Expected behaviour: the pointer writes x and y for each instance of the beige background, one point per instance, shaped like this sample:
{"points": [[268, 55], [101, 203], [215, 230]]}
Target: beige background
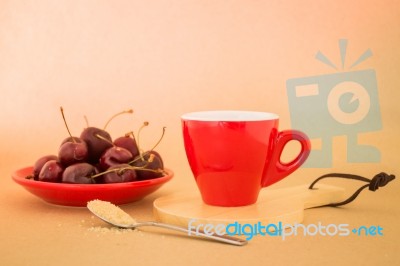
{"points": [[165, 58]]}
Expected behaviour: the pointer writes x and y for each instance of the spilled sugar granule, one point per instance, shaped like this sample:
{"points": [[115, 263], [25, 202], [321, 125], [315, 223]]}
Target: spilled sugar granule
{"points": [[92, 226], [104, 230]]}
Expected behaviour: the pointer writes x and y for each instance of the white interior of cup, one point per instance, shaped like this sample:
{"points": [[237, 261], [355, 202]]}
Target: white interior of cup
{"points": [[229, 116]]}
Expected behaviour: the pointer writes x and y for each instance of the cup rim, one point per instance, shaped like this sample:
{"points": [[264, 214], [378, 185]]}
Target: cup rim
{"points": [[229, 116]]}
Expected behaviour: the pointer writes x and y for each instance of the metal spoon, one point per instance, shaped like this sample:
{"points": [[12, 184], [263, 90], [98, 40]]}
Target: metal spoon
{"points": [[131, 223]]}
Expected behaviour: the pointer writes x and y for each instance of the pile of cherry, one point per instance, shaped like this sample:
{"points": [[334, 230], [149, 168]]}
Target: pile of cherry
{"points": [[94, 158]]}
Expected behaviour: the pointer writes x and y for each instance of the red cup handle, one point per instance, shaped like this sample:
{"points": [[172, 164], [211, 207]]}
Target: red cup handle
{"points": [[275, 170]]}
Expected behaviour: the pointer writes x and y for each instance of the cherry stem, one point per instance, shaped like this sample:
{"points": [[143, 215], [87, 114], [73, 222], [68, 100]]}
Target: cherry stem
{"points": [[151, 158], [145, 124], [103, 138], [138, 158], [130, 133], [65, 122], [130, 111], [158, 142], [108, 171], [86, 120], [126, 168]]}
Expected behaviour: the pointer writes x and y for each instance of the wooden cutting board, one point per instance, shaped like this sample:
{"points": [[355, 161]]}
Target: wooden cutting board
{"points": [[284, 205]]}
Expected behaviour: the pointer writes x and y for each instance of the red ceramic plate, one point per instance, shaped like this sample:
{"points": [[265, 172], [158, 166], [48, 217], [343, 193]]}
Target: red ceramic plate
{"points": [[79, 194]]}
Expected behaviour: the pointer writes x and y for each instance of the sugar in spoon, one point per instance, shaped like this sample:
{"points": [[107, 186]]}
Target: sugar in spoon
{"points": [[115, 216]]}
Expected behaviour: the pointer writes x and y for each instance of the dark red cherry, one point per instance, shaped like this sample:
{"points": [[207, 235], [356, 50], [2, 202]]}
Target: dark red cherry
{"points": [[114, 156], [39, 164], [79, 173], [97, 140], [122, 173], [51, 172], [73, 150], [128, 142], [151, 163]]}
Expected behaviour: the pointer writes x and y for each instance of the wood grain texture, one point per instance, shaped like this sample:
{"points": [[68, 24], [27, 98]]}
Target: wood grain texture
{"points": [[284, 205]]}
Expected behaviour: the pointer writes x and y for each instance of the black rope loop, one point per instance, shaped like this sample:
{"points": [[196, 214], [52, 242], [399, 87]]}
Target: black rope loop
{"points": [[379, 180]]}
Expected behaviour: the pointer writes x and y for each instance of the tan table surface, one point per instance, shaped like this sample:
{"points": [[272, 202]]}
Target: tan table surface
{"points": [[166, 58], [37, 233]]}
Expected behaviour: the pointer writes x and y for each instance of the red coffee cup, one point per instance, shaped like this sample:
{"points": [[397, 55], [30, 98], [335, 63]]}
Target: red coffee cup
{"points": [[233, 154]]}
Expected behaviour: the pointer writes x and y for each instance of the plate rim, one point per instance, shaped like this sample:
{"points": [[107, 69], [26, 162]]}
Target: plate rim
{"points": [[21, 180]]}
